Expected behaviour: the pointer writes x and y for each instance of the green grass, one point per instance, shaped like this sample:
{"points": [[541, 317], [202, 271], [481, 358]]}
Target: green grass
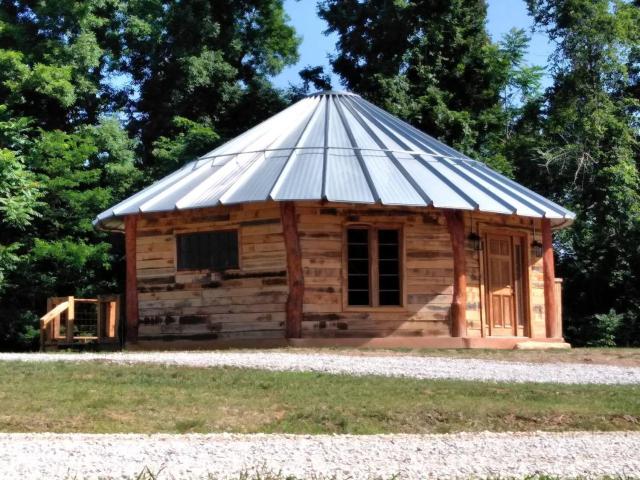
{"points": [[100, 398]]}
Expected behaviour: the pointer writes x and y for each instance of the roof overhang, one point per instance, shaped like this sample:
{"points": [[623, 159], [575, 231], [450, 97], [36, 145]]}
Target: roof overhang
{"points": [[337, 147]]}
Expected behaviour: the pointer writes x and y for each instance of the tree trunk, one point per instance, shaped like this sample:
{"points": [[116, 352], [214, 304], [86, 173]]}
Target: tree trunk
{"points": [[131, 291], [455, 224], [548, 269], [295, 276]]}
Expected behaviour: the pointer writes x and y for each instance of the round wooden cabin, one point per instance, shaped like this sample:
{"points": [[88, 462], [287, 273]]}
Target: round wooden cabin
{"points": [[334, 222]]}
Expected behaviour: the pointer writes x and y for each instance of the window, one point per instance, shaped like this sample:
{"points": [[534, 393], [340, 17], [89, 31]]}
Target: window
{"points": [[373, 267], [208, 250], [358, 259], [389, 267]]}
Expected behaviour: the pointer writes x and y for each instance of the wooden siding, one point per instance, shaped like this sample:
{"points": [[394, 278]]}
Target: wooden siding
{"points": [[476, 308], [249, 303], [243, 303], [427, 278]]}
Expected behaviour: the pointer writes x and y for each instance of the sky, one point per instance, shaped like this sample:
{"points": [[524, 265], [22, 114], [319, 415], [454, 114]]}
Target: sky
{"points": [[316, 47]]}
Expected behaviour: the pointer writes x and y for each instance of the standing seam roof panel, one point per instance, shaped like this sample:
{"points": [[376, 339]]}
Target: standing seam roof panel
{"points": [[338, 147]]}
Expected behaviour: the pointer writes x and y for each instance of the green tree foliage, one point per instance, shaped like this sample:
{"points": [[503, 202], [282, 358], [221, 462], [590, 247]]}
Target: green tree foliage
{"points": [[205, 63], [63, 158], [314, 79], [433, 64], [98, 98], [588, 144], [19, 200]]}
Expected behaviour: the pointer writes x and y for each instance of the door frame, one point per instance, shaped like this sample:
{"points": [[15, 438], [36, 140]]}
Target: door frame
{"points": [[484, 231]]}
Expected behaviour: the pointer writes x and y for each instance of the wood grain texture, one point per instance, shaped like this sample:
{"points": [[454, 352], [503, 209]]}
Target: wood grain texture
{"points": [[250, 303], [131, 289], [199, 305], [455, 225], [549, 278], [295, 275]]}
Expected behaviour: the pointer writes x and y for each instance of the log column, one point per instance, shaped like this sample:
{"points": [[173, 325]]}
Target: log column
{"points": [[549, 274], [131, 289], [455, 224], [295, 276]]}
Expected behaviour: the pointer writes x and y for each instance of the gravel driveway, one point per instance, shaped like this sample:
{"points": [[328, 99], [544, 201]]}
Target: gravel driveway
{"points": [[394, 366], [59, 456]]}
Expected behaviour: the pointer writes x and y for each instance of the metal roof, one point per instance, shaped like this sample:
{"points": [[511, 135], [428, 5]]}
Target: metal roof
{"points": [[338, 147]]}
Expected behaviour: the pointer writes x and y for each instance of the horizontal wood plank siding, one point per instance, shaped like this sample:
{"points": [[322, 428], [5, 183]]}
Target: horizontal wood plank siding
{"points": [[244, 303], [427, 278], [249, 302]]}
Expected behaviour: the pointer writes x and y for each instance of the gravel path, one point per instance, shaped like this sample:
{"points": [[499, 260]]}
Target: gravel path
{"points": [[393, 366], [61, 456]]}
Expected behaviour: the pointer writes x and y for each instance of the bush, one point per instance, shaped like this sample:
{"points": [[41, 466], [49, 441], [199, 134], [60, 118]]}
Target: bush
{"points": [[599, 330], [20, 330]]}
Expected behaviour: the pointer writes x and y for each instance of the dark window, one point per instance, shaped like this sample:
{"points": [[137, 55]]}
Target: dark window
{"points": [[358, 266], [389, 267], [367, 247], [208, 250]]}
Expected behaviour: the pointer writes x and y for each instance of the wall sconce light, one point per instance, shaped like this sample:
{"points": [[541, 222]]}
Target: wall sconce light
{"points": [[475, 242], [536, 246]]}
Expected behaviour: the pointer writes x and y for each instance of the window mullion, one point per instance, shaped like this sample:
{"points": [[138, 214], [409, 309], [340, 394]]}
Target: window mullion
{"points": [[375, 270]]}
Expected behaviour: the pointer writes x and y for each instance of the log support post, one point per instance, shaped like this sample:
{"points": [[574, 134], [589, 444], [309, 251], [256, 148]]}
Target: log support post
{"points": [[131, 288], [549, 274], [71, 318], [295, 276], [455, 224]]}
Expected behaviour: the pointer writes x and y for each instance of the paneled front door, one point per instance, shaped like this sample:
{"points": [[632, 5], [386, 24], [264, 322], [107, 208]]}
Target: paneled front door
{"points": [[502, 285]]}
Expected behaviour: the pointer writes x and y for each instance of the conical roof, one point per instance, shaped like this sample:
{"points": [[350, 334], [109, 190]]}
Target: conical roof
{"points": [[338, 147]]}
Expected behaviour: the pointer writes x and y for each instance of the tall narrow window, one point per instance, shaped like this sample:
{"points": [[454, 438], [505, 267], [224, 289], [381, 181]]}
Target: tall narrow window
{"points": [[215, 251], [373, 270], [358, 266], [389, 267]]}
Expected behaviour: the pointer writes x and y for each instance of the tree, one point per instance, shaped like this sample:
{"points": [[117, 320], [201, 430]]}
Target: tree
{"points": [[98, 98], [63, 157], [589, 149], [19, 201], [434, 64], [202, 62]]}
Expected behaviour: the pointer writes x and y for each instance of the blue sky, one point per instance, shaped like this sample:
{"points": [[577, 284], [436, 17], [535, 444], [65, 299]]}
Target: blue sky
{"points": [[316, 47]]}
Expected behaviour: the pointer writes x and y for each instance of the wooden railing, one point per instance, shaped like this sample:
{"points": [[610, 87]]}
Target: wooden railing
{"points": [[558, 293], [69, 321]]}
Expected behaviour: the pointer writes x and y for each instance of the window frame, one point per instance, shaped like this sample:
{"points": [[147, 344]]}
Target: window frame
{"points": [[374, 278], [205, 229]]}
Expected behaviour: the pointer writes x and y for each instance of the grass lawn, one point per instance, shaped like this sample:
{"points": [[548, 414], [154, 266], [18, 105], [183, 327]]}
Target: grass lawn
{"points": [[629, 357], [100, 398]]}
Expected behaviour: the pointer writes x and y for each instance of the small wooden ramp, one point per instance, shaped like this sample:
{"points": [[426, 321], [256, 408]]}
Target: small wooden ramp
{"points": [[81, 323]]}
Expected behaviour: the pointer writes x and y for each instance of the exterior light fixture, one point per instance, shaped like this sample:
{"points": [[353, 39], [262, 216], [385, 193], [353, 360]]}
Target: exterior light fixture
{"points": [[536, 246], [475, 241]]}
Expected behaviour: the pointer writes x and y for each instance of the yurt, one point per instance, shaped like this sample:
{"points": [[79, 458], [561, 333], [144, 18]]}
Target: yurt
{"points": [[336, 223]]}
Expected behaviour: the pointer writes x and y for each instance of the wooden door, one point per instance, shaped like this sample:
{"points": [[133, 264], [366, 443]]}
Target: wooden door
{"points": [[501, 285]]}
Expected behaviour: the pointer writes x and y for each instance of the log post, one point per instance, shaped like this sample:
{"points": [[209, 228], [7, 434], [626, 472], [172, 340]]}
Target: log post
{"points": [[455, 224], [71, 318], [131, 289], [100, 317], [295, 276], [549, 275]]}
